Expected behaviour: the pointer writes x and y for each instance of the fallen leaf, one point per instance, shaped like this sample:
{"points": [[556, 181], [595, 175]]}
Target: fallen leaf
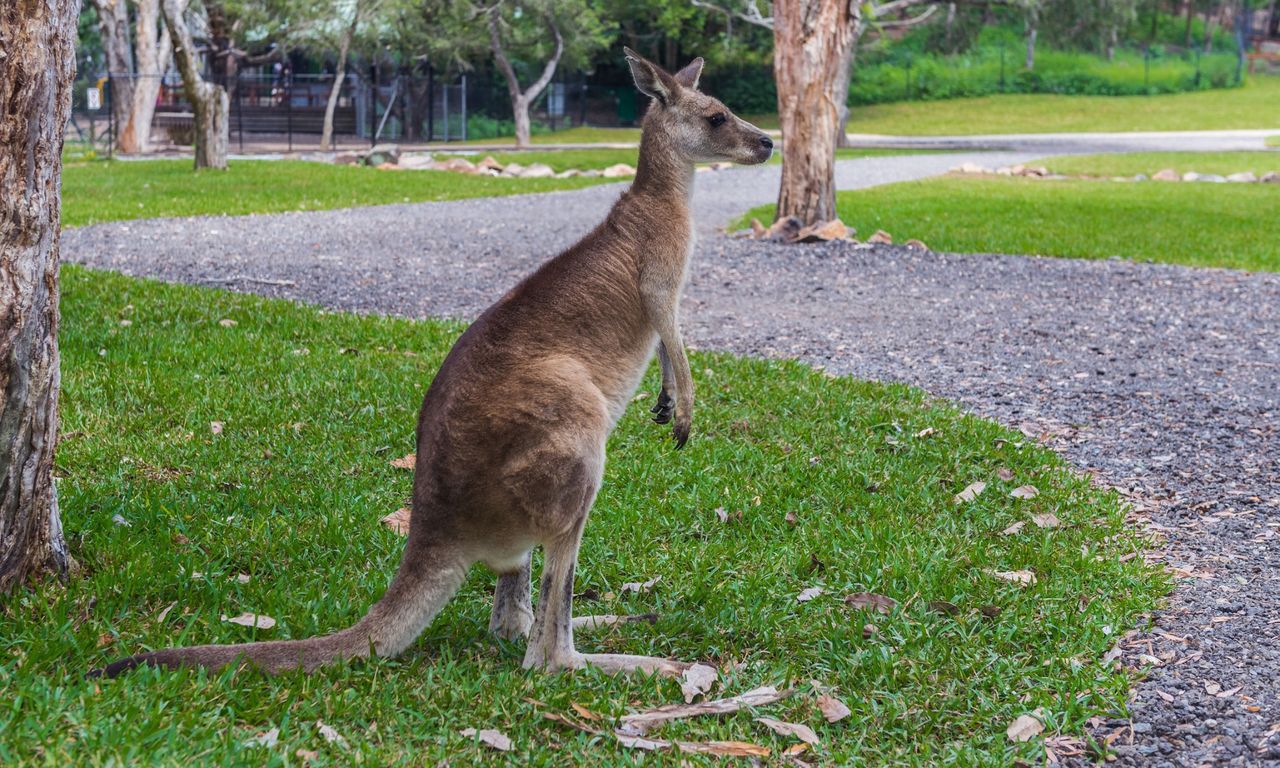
{"points": [[869, 631], [406, 461], [1024, 728], [791, 518], [796, 749], [330, 734], [697, 680], [783, 728], [639, 742], [227, 322], [307, 755], [1025, 492], [1229, 692], [119, 520], [266, 739], [255, 620], [833, 709], [490, 738], [216, 427], [872, 601], [722, 515], [398, 521], [585, 713], [243, 578], [1014, 529], [944, 607], [990, 611], [1211, 687], [165, 612], [1046, 520], [1022, 578], [1165, 697], [1005, 474], [927, 432], [757, 697], [970, 492], [808, 594], [572, 723], [640, 586], [588, 623]]}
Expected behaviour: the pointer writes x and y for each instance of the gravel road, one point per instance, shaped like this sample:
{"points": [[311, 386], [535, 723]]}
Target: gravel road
{"points": [[1163, 381]]}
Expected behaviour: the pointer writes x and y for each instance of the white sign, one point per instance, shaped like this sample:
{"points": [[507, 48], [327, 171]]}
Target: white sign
{"points": [[95, 98]]}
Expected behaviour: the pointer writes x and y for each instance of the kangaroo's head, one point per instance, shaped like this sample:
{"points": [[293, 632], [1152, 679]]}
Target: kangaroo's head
{"points": [[691, 124]]}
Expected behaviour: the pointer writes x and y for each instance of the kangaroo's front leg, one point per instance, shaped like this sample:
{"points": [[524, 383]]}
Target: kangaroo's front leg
{"points": [[666, 404], [669, 332]]}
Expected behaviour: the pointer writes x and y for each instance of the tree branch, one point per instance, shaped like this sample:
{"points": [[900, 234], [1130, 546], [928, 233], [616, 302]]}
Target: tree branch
{"points": [[880, 11], [549, 70], [911, 22], [752, 14], [500, 56]]}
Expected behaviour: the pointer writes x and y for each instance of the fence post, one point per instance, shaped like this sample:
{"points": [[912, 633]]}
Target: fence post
{"points": [[582, 104], [240, 111], [111, 116], [373, 109], [463, 107], [431, 103], [288, 100], [444, 106]]}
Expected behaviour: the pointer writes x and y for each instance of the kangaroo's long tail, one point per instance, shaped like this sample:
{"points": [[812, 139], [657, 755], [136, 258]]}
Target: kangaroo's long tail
{"points": [[427, 578]]}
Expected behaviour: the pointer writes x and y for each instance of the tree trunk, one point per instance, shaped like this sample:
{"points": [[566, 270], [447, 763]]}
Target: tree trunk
{"points": [[813, 43], [842, 99], [36, 72], [951, 27], [520, 100], [1186, 35], [520, 112], [339, 74], [1032, 30], [1208, 31], [152, 53], [113, 27], [208, 100], [1113, 39]]}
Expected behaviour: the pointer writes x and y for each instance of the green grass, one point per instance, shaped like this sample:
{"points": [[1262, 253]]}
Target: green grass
{"points": [[109, 191], [583, 134], [1256, 105], [583, 159], [1273, 141], [1207, 225], [315, 404], [1132, 164]]}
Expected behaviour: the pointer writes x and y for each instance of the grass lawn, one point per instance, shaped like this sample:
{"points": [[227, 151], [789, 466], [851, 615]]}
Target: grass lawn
{"points": [[315, 404], [108, 191], [582, 159], [1131, 164], [1206, 225], [1256, 105], [583, 134], [1273, 141]]}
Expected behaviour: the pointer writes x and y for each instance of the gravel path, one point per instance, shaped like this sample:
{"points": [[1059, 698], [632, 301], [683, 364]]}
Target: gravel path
{"points": [[1161, 380]]}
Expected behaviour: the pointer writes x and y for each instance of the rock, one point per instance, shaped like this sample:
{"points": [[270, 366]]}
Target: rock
{"points": [[618, 171], [1038, 171], [970, 168], [916, 245], [538, 171], [418, 163], [346, 158], [1190, 176], [569, 174], [590, 173], [1270, 178], [457, 165], [1213, 178], [1006, 171], [784, 230], [1168, 174], [1245, 177], [489, 164], [513, 169], [1141, 177], [382, 154], [823, 232], [881, 237], [1018, 170]]}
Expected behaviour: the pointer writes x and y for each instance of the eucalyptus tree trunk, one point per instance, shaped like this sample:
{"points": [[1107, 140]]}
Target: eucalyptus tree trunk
{"points": [[113, 28], [208, 100], [813, 45], [521, 100], [339, 74], [153, 50], [36, 71], [1031, 31]]}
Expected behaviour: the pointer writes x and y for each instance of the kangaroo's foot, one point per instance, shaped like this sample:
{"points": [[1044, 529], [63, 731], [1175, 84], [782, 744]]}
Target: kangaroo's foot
{"points": [[512, 614], [664, 409]]}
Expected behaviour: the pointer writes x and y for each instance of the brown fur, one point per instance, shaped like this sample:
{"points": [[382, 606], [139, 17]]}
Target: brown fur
{"points": [[511, 436]]}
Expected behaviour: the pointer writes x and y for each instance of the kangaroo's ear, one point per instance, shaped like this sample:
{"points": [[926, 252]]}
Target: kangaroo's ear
{"points": [[688, 77], [651, 80]]}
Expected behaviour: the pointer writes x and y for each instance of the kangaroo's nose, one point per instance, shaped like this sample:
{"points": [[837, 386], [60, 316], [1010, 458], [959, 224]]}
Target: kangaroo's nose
{"points": [[766, 142]]}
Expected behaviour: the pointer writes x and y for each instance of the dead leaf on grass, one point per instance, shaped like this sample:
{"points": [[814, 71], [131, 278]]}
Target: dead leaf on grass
{"points": [[833, 709], [330, 734], [398, 521], [640, 586], [227, 322], [1024, 728], [406, 461], [722, 515], [266, 739], [255, 620], [1046, 520], [1021, 578], [588, 623], [640, 722], [1025, 492], [490, 738], [809, 594], [572, 723], [1014, 529], [871, 601], [970, 492], [165, 612], [585, 713], [783, 728], [697, 680], [216, 427], [1005, 474], [944, 607]]}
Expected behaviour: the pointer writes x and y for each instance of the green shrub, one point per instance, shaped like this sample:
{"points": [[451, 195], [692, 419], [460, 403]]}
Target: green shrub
{"points": [[485, 127]]}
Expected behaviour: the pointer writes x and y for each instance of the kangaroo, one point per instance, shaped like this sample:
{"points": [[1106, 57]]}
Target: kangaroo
{"points": [[511, 435]]}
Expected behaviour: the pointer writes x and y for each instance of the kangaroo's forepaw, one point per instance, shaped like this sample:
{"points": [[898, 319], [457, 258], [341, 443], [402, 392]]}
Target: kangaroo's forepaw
{"points": [[665, 408]]}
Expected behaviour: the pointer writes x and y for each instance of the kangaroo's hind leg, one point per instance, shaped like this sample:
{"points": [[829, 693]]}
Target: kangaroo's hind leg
{"points": [[512, 606]]}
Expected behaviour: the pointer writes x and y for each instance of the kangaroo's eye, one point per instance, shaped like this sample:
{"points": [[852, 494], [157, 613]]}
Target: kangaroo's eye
{"points": [[716, 120]]}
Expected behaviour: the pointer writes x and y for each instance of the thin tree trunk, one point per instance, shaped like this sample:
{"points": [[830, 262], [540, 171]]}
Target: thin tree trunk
{"points": [[339, 74], [113, 27], [1113, 39], [1186, 35], [520, 100], [951, 26], [842, 98], [36, 72], [1032, 31], [208, 100], [813, 40], [1208, 30], [153, 51]]}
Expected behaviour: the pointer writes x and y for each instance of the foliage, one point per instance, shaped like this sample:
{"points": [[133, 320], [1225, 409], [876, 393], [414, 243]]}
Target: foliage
{"points": [[314, 405], [110, 191], [1199, 224], [484, 127]]}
